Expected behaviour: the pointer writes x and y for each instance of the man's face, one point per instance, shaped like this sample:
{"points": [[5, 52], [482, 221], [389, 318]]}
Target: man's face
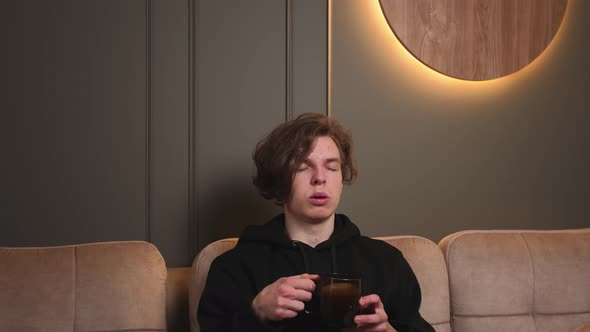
{"points": [[317, 185]]}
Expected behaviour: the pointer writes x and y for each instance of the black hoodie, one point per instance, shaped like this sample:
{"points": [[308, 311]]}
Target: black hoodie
{"points": [[265, 253]]}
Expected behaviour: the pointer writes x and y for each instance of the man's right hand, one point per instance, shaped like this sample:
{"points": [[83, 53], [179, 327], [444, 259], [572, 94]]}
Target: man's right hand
{"points": [[284, 298]]}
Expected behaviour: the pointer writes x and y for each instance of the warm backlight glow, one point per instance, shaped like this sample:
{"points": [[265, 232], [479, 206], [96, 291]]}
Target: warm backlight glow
{"points": [[392, 55]]}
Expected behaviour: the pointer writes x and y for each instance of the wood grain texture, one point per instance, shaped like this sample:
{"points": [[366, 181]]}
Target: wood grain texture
{"points": [[475, 39]]}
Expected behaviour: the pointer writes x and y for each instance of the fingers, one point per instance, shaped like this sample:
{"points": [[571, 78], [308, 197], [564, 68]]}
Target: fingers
{"points": [[285, 308], [284, 298], [369, 319], [288, 291], [288, 304], [282, 313], [376, 321], [369, 300], [305, 277], [301, 282], [310, 276], [298, 287], [383, 327]]}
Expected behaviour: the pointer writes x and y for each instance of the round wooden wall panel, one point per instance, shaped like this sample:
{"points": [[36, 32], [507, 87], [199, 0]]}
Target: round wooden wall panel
{"points": [[475, 39]]}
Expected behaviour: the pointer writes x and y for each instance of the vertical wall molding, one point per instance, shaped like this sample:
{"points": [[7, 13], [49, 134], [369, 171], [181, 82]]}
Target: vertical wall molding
{"points": [[193, 225], [148, 113], [289, 61], [329, 60], [170, 122]]}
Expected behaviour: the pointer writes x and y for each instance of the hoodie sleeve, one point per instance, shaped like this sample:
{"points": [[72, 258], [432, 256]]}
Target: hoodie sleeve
{"points": [[404, 300], [225, 305]]}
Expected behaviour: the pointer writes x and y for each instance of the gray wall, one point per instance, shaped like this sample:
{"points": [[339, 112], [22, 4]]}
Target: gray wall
{"points": [[74, 119], [135, 120], [437, 155]]}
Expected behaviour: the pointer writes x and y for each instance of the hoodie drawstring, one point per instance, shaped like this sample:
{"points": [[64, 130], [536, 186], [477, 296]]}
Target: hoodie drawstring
{"points": [[333, 254]]}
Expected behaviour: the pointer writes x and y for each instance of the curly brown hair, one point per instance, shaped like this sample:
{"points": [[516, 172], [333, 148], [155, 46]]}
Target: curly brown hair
{"points": [[278, 155]]}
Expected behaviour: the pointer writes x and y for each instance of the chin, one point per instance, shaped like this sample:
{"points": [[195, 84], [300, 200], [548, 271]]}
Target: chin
{"points": [[320, 217]]}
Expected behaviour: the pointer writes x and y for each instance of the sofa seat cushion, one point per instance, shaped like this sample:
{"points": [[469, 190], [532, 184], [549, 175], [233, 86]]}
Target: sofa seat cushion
{"points": [[529, 281]]}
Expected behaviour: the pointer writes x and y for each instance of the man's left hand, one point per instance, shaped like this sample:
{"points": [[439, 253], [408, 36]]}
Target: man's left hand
{"points": [[374, 321]]}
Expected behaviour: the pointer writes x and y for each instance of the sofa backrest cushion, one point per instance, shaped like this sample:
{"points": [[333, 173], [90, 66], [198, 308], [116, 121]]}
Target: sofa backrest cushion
{"points": [[36, 289], [528, 281], [428, 263], [110, 286], [424, 256], [200, 269]]}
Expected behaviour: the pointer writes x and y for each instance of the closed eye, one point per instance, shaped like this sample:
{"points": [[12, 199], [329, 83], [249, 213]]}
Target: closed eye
{"points": [[302, 168], [333, 166]]}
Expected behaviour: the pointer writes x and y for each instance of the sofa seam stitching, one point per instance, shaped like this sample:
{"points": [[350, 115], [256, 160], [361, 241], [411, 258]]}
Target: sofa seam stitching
{"points": [[523, 314], [448, 250], [533, 311], [563, 313], [75, 288]]}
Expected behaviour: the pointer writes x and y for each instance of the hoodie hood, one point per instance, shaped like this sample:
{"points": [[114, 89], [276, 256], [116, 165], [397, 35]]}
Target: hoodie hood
{"points": [[274, 233]]}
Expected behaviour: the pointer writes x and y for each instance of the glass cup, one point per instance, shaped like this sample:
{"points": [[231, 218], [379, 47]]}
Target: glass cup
{"points": [[338, 297]]}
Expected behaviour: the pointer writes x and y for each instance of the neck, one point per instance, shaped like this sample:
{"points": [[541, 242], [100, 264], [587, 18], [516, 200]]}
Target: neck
{"points": [[311, 233]]}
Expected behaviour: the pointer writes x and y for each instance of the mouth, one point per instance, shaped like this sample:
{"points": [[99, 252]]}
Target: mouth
{"points": [[319, 198]]}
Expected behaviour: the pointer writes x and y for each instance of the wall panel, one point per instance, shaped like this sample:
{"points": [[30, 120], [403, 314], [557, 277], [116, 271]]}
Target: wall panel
{"points": [[310, 38], [243, 89], [170, 129], [73, 139], [240, 95]]}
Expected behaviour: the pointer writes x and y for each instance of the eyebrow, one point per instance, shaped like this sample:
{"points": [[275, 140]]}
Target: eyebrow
{"points": [[327, 161]]}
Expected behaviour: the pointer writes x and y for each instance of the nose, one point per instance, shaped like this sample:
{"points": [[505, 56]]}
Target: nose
{"points": [[319, 177]]}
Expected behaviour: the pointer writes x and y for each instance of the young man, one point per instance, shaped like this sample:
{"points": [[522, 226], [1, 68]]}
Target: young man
{"points": [[264, 283]]}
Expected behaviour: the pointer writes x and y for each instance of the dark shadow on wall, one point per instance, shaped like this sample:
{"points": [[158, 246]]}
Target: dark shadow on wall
{"points": [[228, 208]]}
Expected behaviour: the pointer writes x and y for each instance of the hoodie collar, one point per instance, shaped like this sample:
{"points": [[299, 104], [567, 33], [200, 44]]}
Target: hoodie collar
{"points": [[273, 232]]}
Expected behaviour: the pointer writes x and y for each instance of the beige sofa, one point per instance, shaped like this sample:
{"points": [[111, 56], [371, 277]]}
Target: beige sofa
{"points": [[110, 286], [479, 281], [529, 281], [518, 280]]}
